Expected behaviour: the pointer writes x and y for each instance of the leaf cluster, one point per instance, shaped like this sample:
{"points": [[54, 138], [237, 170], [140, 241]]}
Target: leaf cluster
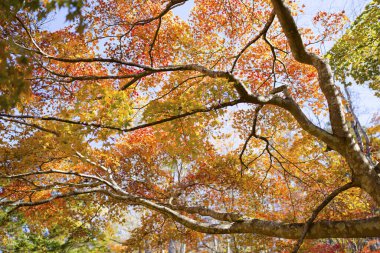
{"points": [[356, 56]]}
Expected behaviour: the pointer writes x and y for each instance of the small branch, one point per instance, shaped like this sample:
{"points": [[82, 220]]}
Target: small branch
{"points": [[154, 40], [31, 38], [31, 125], [315, 213], [95, 125], [171, 5], [73, 173], [274, 58], [252, 134], [171, 90], [20, 203], [357, 127], [257, 37]]}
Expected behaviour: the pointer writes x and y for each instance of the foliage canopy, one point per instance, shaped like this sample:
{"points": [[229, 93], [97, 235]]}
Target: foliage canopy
{"points": [[198, 126]]}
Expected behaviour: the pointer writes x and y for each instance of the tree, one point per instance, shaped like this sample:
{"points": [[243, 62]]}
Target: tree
{"points": [[61, 235], [356, 55], [135, 113]]}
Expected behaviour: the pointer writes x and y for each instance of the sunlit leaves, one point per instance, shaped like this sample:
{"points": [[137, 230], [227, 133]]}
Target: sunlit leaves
{"points": [[356, 54]]}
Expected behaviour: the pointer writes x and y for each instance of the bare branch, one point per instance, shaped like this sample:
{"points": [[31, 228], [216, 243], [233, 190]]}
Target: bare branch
{"points": [[357, 127], [171, 5]]}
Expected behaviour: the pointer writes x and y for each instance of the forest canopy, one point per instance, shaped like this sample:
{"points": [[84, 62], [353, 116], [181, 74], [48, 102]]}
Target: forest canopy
{"points": [[226, 130]]}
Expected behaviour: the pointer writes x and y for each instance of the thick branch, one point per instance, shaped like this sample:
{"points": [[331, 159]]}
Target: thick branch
{"points": [[203, 211], [322, 229], [363, 171], [325, 77], [291, 106]]}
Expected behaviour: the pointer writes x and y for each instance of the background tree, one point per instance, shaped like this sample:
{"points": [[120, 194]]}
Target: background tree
{"points": [[136, 113], [356, 54], [66, 234]]}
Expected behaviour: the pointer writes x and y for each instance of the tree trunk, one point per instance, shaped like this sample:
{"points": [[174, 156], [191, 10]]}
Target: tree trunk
{"points": [[172, 248]]}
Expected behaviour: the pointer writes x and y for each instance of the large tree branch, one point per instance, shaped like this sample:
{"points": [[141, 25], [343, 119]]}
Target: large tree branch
{"points": [[290, 105], [147, 71], [369, 227], [323, 229], [203, 211], [325, 76], [363, 171]]}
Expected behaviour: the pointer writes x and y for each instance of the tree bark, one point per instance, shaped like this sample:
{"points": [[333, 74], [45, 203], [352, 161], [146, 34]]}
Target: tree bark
{"points": [[362, 171]]}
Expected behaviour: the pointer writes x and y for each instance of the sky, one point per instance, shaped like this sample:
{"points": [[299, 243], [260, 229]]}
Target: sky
{"points": [[352, 8]]}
